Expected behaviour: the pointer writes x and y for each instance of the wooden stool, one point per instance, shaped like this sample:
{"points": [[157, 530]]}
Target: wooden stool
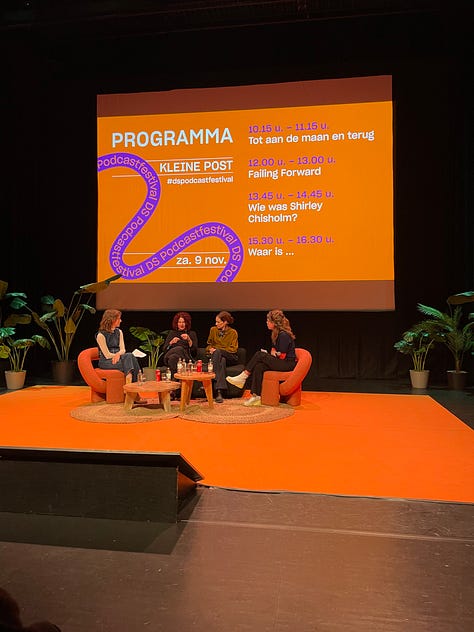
{"points": [[187, 380], [135, 390]]}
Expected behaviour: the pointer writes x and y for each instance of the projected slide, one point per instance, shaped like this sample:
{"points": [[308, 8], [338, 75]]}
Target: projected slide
{"points": [[248, 197]]}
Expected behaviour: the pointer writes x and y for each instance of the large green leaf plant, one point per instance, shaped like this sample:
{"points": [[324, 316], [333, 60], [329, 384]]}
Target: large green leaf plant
{"points": [[12, 348], [416, 342], [452, 328], [59, 320], [152, 343]]}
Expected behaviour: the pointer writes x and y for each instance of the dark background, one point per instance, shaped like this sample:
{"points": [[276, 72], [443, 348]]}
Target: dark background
{"points": [[58, 55]]}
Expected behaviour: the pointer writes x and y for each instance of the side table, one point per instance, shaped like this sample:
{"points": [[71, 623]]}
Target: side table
{"points": [[187, 380], [135, 390]]}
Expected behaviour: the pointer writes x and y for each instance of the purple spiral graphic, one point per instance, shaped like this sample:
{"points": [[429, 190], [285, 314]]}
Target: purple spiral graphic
{"points": [[180, 243]]}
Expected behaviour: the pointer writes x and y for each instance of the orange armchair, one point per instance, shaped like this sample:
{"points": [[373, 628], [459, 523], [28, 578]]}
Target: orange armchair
{"points": [[285, 386], [106, 384]]}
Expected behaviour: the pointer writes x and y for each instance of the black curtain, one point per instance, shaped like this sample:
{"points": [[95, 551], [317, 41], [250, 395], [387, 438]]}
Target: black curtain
{"points": [[51, 79]]}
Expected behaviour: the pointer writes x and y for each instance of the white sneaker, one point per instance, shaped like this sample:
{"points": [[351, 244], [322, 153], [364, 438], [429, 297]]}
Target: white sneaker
{"points": [[238, 380], [255, 400]]}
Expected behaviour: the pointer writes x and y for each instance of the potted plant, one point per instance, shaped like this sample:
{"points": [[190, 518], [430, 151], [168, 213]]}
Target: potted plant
{"points": [[152, 343], [12, 349], [451, 329], [60, 322], [11, 300], [16, 350], [417, 342]]}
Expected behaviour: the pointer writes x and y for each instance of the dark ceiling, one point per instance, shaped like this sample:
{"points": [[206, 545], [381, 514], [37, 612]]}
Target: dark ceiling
{"points": [[166, 16]]}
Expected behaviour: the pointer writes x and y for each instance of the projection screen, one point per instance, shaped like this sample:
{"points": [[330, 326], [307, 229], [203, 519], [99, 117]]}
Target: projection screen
{"points": [[248, 197]]}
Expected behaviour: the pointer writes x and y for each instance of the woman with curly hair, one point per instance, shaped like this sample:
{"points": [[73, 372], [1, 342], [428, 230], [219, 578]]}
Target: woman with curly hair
{"points": [[181, 342], [282, 357]]}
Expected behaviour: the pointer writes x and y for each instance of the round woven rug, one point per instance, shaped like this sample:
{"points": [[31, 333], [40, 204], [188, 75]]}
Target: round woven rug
{"points": [[231, 411], [116, 414]]}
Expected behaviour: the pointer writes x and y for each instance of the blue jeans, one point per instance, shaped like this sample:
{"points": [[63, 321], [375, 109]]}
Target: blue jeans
{"points": [[127, 363]]}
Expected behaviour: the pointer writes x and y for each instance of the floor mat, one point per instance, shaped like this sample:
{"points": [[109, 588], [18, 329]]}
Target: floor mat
{"points": [[357, 444]]}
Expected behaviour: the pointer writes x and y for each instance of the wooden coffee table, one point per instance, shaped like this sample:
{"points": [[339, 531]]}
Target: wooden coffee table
{"points": [[187, 380], [149, 390]]}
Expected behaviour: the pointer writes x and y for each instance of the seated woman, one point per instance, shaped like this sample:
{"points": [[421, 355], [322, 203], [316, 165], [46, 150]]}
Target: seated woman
{"points": [[222, 345], [112, 354], [282, 357], [181, 342]]}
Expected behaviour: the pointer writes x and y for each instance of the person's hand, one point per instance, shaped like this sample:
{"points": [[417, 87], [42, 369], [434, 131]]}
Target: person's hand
{"points": [[211, 349], [174, 340], [185, 337], [115, 358]]}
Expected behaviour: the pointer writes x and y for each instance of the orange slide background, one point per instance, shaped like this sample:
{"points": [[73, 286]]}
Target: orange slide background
{"points": [[355, 220]]}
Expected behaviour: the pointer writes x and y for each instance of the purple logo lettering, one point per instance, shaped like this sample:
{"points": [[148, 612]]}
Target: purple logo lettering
{"points": [[180, 243]]}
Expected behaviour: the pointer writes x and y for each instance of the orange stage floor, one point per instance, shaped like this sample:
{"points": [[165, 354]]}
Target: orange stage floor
{"points": [[354, 444]]}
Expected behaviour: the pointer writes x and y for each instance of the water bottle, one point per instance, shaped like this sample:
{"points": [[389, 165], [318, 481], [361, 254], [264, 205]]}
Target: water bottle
{"points": [[140, 377], [168, 374], [179, 366], [210, 366], [190, 366]]}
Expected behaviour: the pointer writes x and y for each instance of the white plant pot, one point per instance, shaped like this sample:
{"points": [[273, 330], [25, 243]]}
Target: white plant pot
{"points": [[419, 379], [15, 379]]}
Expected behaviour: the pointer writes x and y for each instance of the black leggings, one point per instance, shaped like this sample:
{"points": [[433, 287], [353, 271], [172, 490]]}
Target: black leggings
{"points": [[261, 362], [172, 357], [220, 360]]}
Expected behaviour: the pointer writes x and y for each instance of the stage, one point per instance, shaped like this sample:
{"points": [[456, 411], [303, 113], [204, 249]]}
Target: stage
{"points": [[336, 443], [346, 544]]}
